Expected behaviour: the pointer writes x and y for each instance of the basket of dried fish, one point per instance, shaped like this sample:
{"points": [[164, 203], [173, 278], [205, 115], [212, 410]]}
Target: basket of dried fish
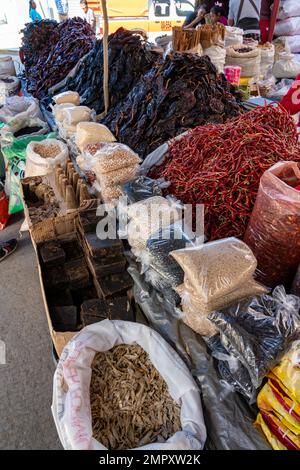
{"points": [[119, 385]]}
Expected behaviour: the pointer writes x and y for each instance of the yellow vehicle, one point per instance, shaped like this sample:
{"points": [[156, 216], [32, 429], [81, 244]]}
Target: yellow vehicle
{"points": [[156, 17]]}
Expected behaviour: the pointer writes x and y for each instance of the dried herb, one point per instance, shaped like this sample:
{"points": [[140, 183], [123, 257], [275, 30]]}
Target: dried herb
{"points": [[130, 402], [51, 50], [172, 97]]}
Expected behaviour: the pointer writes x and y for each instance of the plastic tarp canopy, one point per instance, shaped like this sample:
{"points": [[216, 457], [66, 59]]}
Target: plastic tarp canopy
{"points": [[228, 417]]}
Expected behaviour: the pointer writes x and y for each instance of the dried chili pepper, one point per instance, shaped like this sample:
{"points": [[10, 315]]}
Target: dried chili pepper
{"points": [[220, 166]]}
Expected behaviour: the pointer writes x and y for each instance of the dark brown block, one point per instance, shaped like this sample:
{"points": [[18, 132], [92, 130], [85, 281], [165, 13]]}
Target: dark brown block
{"points": [[63, 316], [89, 220], [114, 285], [119, 308], [72, 248], [101, 248], [56, 277], [52, 253], [108, 266], [92, 311], [77, 273], [59, 298]]}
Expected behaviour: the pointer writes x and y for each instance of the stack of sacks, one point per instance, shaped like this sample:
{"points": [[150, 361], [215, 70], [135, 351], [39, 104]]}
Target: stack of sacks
{"points": [[216, 275], [147, 217], [113, 165], [279, 403], [288, 24]]}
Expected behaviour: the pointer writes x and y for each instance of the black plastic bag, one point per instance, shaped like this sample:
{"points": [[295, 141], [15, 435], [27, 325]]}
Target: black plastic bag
{"points": [[258, 330]]}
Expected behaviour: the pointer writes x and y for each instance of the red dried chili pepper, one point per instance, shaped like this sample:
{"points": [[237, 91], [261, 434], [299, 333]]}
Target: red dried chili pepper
{"points": [[220, 165]]}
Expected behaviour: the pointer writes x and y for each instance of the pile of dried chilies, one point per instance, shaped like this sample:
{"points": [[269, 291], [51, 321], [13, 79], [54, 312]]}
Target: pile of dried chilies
{"points": [[128, 60], [221, 166], [52, 50], [179, 94]]}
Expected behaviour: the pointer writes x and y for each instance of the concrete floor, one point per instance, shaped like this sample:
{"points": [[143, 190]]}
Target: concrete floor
{"points": [[26, 379]]}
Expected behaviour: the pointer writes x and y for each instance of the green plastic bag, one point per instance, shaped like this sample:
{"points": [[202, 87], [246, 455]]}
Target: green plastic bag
{"points": [[15, 154]]}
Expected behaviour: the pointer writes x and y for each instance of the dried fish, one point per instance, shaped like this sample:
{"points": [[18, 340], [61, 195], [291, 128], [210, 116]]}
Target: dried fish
{"points": [[129, 409]]}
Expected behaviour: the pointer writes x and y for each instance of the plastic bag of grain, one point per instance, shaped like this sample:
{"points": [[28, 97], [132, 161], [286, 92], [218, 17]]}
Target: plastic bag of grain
{"points": [[76, 376], [67, 97], [112, 157], [42, 157], [58, 110], [148, 216], [72, 116], [92, 132], [216, 268]]}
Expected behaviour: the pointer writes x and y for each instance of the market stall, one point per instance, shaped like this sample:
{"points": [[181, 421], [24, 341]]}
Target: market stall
{"points": [[175, 337]]}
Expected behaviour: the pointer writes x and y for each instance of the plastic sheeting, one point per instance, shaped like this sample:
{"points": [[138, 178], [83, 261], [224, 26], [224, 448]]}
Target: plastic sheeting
{"points": [[229, 419]]}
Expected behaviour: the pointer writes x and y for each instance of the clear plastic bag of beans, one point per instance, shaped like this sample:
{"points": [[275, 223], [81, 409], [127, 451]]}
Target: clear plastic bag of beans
{"points": [[215, 269], [113, 156], [273, 232]]}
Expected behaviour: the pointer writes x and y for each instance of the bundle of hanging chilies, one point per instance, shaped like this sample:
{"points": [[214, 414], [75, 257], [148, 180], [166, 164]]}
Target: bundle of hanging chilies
{"points": [[220, 166]]}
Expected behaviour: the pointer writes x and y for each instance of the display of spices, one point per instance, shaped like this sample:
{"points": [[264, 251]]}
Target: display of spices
{"points": [[51, 50], [221, 166], [128, 60], [130, 402], [47, 151], [181, 93]]}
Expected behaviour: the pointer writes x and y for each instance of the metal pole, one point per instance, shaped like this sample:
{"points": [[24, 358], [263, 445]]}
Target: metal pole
{"points": [[105, 56], [274, 15]]}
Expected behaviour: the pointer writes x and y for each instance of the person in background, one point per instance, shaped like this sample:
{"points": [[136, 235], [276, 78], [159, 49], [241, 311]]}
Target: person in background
{"points": [[62, 9], [89, 15], [196, 18], [217, 15], [33, 14], [245, 14], [291, 101], [265, 15]]}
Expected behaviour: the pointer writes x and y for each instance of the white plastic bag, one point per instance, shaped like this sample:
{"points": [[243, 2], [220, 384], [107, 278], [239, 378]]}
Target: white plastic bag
{"points": [[286, 66], [18, 108], [9, 85], [37, 165], [293, 42], [67, 97], [92, 132], [17, 124], [233, 36], [289, 9], [71, 408], [217, 55], [72, 116], [58, 110], [288, 27]]}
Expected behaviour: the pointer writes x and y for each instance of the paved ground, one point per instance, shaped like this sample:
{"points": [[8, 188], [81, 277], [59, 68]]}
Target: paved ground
{"points": [[26, 379]]}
